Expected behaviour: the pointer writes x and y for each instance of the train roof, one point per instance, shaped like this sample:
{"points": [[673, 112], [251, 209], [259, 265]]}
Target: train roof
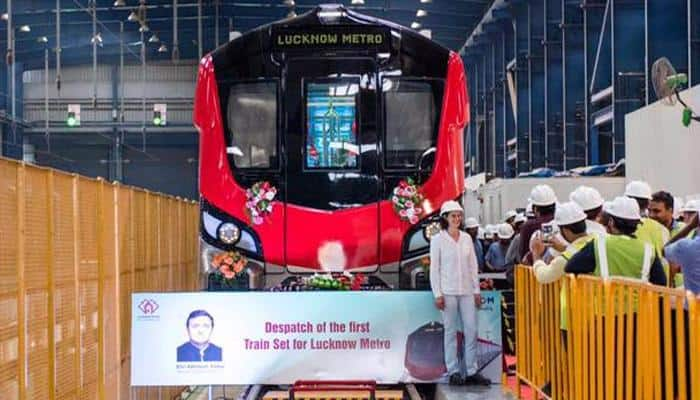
{"points": [[331, 16]]}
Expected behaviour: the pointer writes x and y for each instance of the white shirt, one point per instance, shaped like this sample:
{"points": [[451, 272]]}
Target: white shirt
{"points": [[454, 270], [595, 228]]}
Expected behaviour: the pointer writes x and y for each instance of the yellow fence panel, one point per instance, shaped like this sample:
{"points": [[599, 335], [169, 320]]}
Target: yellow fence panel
{"points": [[72, 250], [625, 339]]}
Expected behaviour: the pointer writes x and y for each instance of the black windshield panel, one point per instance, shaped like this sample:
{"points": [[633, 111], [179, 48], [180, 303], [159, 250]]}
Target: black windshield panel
{"points": [[251, 119], [411, 116]]}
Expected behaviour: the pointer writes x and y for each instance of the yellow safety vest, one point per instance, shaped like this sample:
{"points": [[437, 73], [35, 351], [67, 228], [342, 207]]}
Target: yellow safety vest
{"points": [[573, 248]]}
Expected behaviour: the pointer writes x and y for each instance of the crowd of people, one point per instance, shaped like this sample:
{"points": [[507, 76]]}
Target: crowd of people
{"points": [[641, 234]]}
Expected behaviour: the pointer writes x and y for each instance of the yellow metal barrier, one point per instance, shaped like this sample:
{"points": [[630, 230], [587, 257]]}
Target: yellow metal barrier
{"points": [[625, 339], [72, 250]]}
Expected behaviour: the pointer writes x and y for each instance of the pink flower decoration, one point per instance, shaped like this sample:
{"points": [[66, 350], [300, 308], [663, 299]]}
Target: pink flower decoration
{"points": [[257, 220], [228, 273], [413, 219]]}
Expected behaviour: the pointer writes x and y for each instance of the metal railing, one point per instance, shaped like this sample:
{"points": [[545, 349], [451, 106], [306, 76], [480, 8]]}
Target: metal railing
{"points": [[624, 339], [72, 250]]}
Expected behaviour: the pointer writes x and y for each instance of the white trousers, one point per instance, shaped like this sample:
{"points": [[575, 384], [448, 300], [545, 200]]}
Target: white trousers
{"points": [[460, 315]]}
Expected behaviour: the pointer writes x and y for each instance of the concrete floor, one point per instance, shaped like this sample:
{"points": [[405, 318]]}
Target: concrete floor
{"points": [[443, 392], [494, 392]]}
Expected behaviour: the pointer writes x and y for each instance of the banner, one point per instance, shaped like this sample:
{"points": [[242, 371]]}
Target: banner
{"points": [[210, 338]]}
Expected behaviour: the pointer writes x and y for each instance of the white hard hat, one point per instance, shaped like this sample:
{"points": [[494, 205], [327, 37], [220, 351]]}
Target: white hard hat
{"points": [[528, 209], [490, 230], [505, 231], [638, 189], [624, 207], [691, 206], [569, 213], [520, 218], [543, 195], [471, 223], [510, 214], [587, 198], [449, 206]]}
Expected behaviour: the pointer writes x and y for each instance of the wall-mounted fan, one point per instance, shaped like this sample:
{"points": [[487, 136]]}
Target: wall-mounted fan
{"points": [[667, 84]]}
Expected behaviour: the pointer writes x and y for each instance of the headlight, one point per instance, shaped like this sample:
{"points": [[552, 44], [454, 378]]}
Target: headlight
{"points": [[229, 233], [431, 230]]}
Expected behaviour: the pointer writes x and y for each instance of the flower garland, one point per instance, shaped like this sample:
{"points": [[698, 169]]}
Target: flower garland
{"points": [[258, 203], [406, 200], [228, 266]]}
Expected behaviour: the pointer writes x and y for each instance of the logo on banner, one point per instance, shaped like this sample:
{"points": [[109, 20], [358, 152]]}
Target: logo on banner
{"points": [[148, 309]]}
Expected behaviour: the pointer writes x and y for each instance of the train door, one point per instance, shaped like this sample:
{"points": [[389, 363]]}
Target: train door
{"points": [[332, 175]]}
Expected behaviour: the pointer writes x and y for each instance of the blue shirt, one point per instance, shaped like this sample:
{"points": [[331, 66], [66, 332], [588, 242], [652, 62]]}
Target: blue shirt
{"points": [[189, 352], [479, 250], [496, 256], [686, 253]]}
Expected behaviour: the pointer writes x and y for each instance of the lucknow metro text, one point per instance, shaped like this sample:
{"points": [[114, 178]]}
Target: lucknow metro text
{"points": [[328, 335]]}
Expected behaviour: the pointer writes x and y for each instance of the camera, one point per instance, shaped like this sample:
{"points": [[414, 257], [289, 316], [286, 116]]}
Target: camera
{"points": [[548, 231]]}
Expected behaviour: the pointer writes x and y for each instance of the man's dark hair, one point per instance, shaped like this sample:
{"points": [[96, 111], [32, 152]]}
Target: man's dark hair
{"points": [[663, 197], [643, 203], [625, 226], [199, 313], [545, 210], [577, 228], [594, 213]]}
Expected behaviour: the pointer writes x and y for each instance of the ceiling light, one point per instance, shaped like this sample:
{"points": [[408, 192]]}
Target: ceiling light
{"points": [[133, 17], [415, 25], [426, 1], [42, 39], [421, 13], [143, 28], [154, 39], [5, 16], [357, 2], [291, 14], [120, 3], [97, 38], [25, 28], [288, 3], [163, 48]]}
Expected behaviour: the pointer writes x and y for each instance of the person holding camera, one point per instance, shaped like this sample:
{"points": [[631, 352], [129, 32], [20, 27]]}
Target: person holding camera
{"points": [[620, 253], [454, 280], [544, 202]]}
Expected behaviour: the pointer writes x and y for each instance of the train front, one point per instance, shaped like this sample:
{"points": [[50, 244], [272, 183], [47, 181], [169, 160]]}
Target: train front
{"points": [[328, 143]]}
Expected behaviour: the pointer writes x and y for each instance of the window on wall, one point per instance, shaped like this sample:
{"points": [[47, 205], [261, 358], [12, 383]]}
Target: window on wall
{"points": [[411, 108], [331, 125], [251, 116]]}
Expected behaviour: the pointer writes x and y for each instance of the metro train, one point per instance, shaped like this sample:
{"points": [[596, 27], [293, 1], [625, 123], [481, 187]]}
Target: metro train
{"points": [[328, 113]]}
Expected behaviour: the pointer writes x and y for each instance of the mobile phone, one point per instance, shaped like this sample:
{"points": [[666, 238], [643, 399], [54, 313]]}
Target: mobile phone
{"points": [[547, 232]]}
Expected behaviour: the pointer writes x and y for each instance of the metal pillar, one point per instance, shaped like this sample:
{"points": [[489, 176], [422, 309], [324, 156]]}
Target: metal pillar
{"points": [[199, 29], [11, 56], [553, 84], [58, 47], [176, 41]]}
